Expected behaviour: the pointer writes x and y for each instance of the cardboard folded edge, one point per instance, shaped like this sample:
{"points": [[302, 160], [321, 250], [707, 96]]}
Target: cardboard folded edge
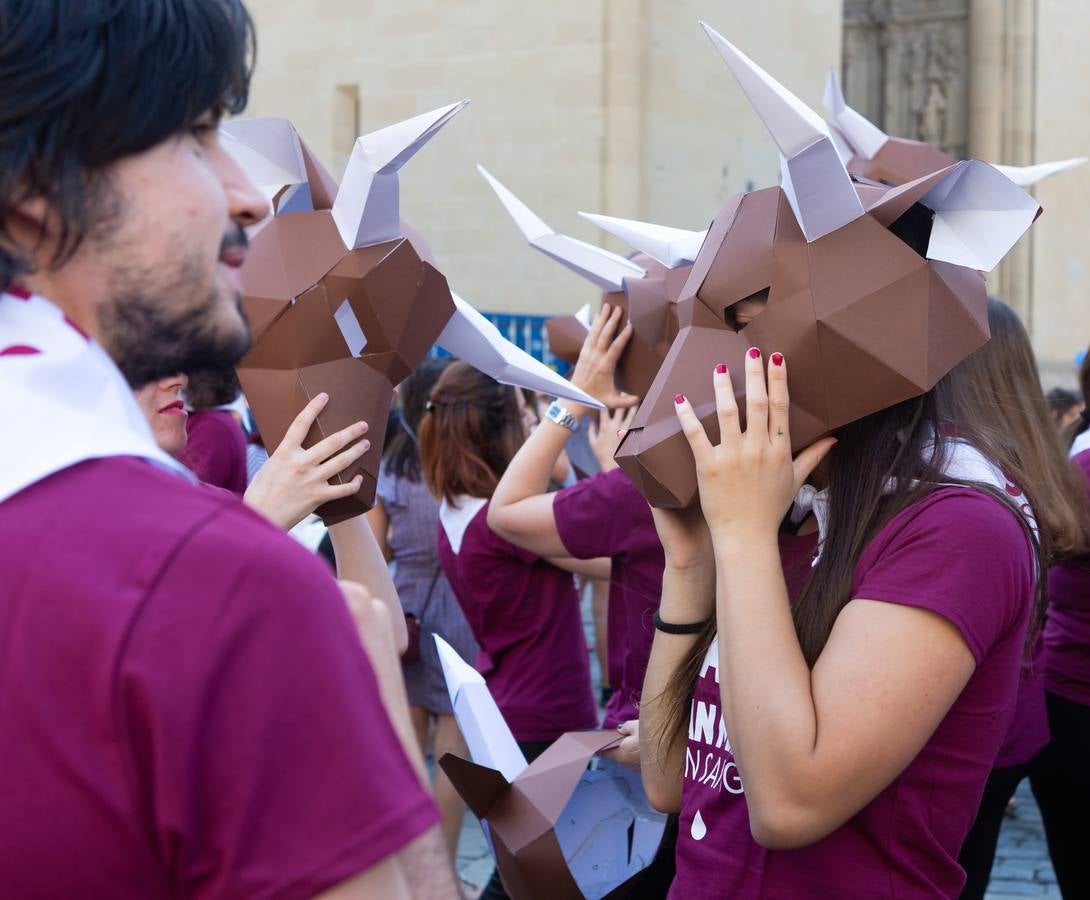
{"points": [[549, 780], [479, 786], [356, 392]]}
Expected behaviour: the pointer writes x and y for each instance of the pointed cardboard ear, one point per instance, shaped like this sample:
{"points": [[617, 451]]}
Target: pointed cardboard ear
{"points": [[1026, 176], [894, 202], [864, 136], [278, 161], [605, 269], [672, 247], [367, 207], [268, 150], [979, 215], [481, 788], [814, 179], [475, 340]]}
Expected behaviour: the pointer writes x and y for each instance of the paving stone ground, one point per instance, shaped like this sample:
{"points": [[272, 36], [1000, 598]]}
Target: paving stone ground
{"points": [[1022, 867]]}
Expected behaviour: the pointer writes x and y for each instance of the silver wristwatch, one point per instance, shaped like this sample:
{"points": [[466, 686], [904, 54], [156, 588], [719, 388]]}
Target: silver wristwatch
{"points": [[561, 416]]}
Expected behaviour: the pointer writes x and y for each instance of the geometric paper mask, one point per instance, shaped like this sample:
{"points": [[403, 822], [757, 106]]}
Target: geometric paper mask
{"points": [[870, 313]]}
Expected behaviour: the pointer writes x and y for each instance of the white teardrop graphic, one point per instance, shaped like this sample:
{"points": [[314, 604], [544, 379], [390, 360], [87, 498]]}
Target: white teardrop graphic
{"points": [[698, 828]]}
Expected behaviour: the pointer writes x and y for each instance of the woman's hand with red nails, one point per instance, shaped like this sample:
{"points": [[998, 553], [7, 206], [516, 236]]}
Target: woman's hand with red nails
{"points": [[748, 480], [595, 370]]}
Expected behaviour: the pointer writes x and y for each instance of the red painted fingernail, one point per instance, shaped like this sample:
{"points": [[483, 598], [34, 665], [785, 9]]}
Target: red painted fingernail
{"points": [[721, 369], [777, 359], [754, 353], [679, 399]]}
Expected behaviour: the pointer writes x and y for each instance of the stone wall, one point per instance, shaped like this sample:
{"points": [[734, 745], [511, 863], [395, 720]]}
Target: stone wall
{"points": [[1002, 81], [616, 106], [1059, 310]]}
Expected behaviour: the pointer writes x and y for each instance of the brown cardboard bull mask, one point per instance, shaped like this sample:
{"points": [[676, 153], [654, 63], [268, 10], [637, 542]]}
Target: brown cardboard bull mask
{"points": [[873, 293], [340, 296], [646, 285], [869, 152]]}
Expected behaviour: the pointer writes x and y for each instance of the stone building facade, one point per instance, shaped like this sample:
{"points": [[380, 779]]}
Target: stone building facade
{"points": [[622, 107], [1003, 81]]}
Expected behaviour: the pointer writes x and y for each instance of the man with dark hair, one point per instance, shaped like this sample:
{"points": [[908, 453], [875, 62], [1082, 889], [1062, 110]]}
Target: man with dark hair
{"points": [[185, 707]]}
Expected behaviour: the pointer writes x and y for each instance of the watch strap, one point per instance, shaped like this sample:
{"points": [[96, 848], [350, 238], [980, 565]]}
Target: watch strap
{"points": [[562, 416]]}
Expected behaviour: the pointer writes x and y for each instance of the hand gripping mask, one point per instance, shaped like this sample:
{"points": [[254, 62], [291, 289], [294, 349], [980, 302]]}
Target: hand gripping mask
{"points": [[872, 293], [646, 285]]}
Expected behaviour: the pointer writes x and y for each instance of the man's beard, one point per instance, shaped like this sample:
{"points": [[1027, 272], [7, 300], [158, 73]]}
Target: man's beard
{"points": [[153, 328]]}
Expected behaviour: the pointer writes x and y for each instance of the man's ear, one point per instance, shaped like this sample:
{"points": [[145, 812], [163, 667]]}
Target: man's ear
{"points": [[33, 226]]}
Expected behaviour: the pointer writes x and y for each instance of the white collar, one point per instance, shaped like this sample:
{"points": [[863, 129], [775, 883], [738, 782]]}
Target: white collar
{"points": [[455, 518], [62, 399], [1080, 444], [963, 461]]}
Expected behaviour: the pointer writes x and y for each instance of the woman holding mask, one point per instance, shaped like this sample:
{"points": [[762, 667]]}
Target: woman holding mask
{"points": [[824, 714]]}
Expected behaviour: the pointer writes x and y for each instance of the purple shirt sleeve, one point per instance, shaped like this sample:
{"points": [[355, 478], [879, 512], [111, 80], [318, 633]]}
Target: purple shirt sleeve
{"points": [[595, 517], [256, 724], [1082, 460], [958, 553]]}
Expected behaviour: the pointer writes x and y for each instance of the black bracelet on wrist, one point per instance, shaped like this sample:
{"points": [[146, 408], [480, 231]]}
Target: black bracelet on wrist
{"points": [[670, 628]]}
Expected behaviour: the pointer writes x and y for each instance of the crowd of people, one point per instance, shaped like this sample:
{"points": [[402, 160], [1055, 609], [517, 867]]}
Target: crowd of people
{"points": [[832, 670]]}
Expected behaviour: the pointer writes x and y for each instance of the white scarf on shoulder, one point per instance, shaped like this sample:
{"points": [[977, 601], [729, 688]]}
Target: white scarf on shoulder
{"points": [[62, 399], [963, 461], [455, 518]]}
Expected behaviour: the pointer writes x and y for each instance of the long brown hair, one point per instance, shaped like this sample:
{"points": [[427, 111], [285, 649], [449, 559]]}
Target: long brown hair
{"points": [[892, 448], [402, 453], [1005, 387], [470, 433]]}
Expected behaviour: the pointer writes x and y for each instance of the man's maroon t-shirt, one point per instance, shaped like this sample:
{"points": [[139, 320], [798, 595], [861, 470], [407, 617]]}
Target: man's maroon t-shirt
{"points": [[215, 449], [1067, 631], [185, 707], [963, 556], [606, 516], [525, 615]]}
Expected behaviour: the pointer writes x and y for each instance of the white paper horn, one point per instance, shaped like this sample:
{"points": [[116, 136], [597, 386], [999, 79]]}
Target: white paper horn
{"points": [[475, 340], [368, 206], [672, 247], [605, 269], [814, 178], [1026, 176], [865, 138]]}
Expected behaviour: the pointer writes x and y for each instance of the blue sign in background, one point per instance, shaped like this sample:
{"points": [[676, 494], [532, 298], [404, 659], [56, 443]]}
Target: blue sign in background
{"points": [[526, 332]]}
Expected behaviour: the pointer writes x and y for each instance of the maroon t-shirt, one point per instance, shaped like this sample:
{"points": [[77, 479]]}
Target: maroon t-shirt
{"points": [[962, 555], [525, 614], [1028, 733], [606, 516], [215, 449], [1067, 631], [185, 707]]}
